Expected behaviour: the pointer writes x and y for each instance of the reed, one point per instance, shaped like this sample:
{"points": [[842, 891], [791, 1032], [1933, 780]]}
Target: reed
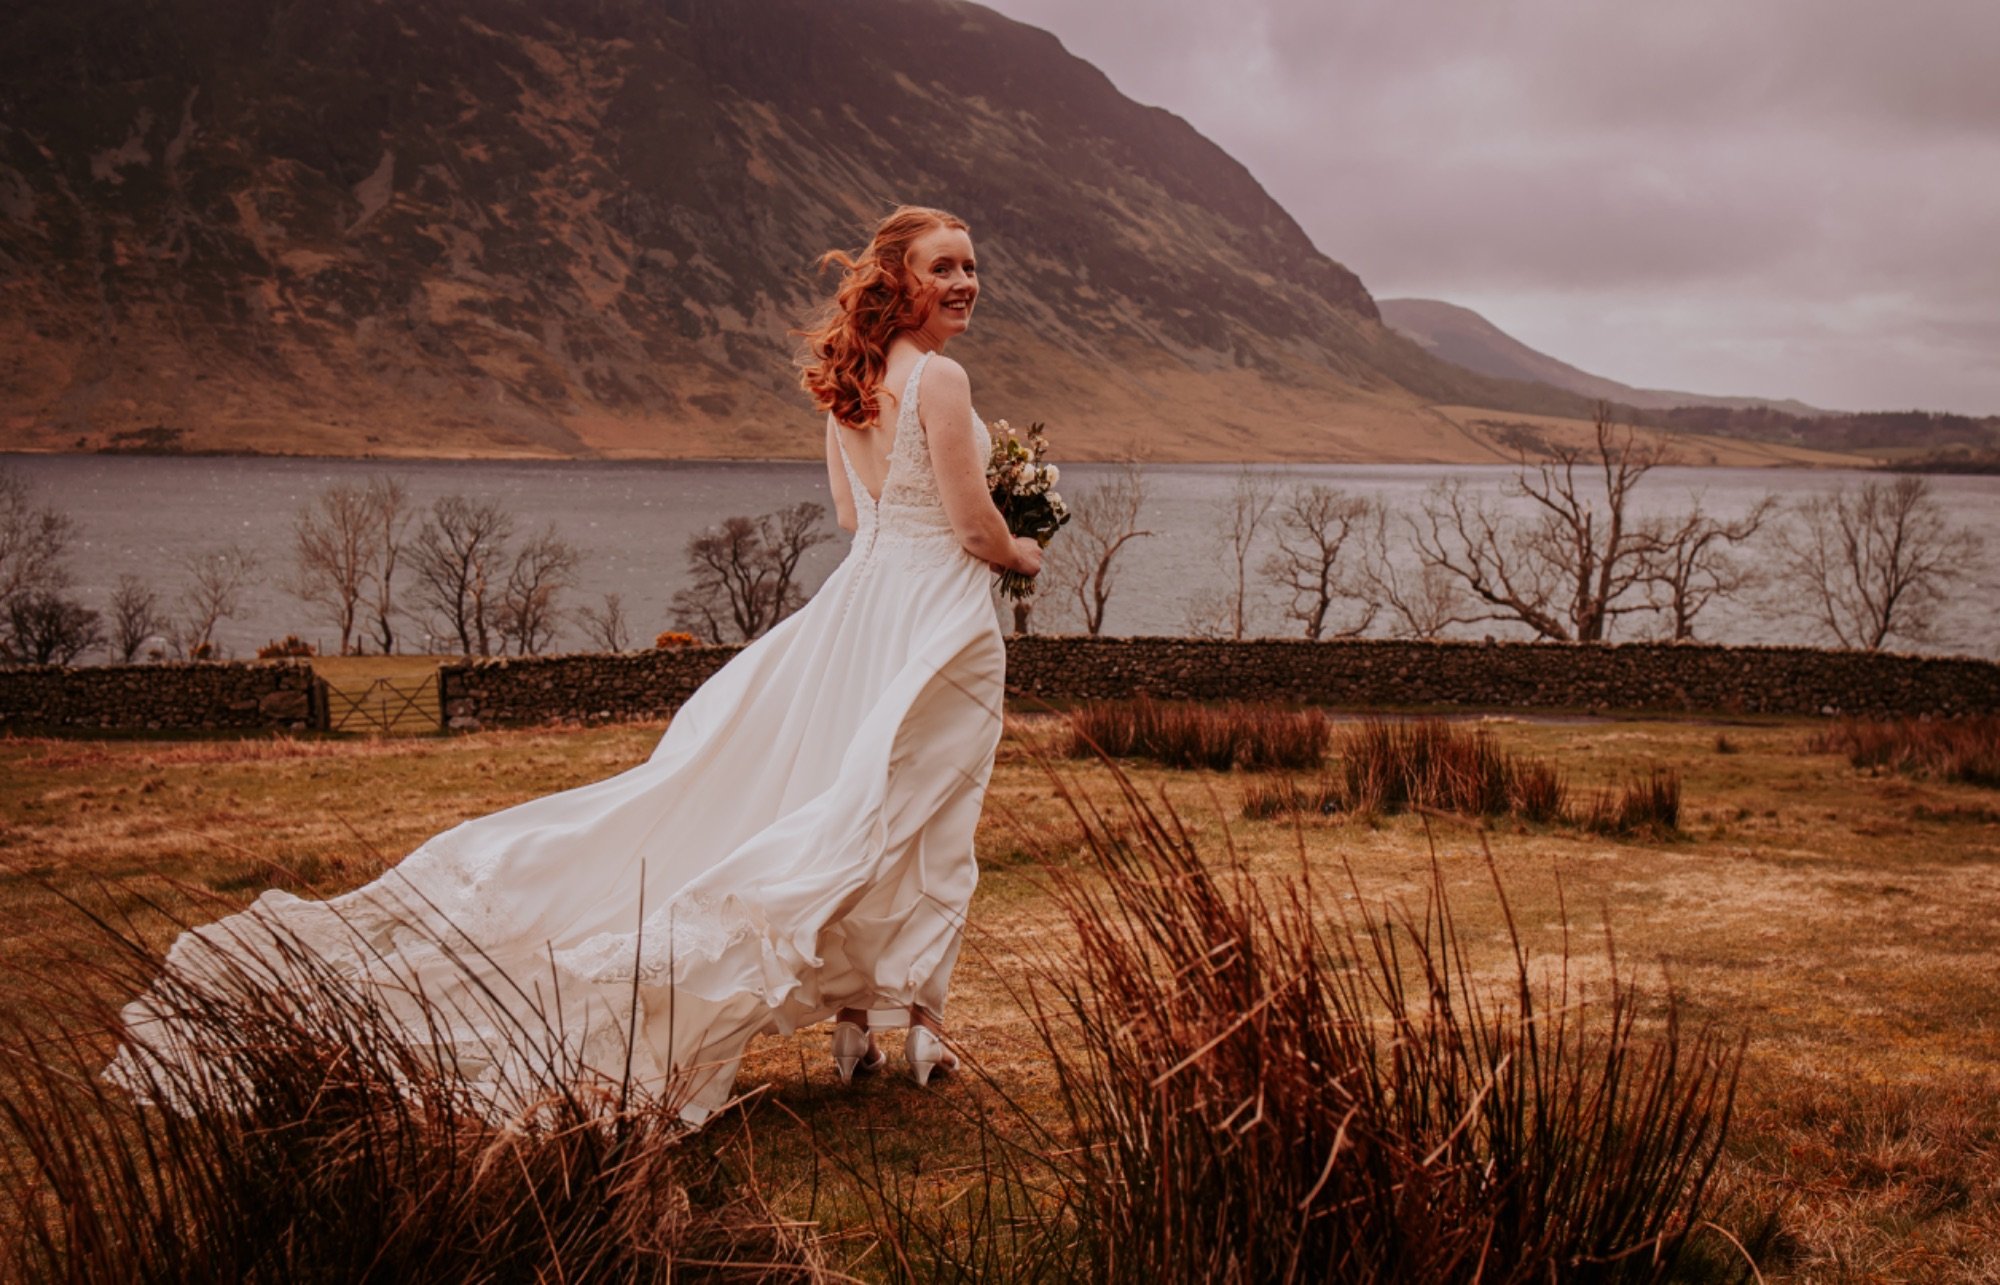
{"points": [[1182, 734], [1259, 1085], [309, 1139], [1952, 749], [1648, 805], [1386, 766]]}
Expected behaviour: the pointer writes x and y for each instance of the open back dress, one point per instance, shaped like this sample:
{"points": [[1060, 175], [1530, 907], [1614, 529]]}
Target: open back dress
{"points": [[799, 841]]}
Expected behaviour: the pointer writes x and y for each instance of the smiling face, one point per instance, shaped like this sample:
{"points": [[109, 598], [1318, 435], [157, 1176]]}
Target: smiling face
{"points": [[940, 263]]}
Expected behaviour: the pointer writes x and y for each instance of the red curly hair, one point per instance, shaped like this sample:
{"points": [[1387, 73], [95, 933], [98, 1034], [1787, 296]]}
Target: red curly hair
{"points": [[878, 297]]}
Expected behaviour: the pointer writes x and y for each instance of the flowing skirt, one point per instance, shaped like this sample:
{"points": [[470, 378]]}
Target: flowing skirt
{"points": [[800, 841]]}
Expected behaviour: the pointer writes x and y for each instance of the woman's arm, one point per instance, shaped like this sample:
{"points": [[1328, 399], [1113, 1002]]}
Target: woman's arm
{"points": [[944, 405], [836, 479]]}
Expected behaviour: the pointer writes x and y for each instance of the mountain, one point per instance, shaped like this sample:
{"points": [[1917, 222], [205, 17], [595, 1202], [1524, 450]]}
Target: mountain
{"points": [[516, 227], [1462, 336]]}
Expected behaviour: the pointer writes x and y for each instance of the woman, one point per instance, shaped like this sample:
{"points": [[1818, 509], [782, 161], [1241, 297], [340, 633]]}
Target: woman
{"points": [[798, 845]]}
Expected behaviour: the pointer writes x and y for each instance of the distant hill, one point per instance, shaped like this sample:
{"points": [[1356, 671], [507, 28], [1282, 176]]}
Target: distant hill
{"points": [[1462, 336], [510, 227]]}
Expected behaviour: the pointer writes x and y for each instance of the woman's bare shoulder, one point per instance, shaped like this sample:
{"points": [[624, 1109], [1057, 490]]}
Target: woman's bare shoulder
{"points": [[944, 378]]}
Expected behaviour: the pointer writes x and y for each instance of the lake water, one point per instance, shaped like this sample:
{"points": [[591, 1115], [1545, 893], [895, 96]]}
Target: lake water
{"points": [[631, 521]]}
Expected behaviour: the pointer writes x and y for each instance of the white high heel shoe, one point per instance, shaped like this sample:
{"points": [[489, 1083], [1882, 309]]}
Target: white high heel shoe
{"points": [[852, 1051], [926, 1052]]}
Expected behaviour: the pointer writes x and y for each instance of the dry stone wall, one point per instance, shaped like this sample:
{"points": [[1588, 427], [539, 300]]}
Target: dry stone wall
{"points": [[1376, 673], [196, 696], [1355, 674], [585, 687]]}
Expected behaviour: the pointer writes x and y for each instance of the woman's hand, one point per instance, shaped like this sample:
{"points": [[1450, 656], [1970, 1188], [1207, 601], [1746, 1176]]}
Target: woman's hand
{"points": [[1027, 556]]}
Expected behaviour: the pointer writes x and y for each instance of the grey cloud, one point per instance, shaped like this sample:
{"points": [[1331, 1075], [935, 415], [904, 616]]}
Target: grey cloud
{"points": [[1717, 192]]}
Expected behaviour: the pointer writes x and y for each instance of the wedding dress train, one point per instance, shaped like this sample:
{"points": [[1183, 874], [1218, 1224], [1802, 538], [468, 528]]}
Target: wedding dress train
{"points": [[799, 841]]}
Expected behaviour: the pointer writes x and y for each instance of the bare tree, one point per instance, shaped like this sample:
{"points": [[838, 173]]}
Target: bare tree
{"points": [[459, 560], [1250, 504], [1689, 565], [45, 628], [135, 618], [333, 557], [1423, 600], [1576, 566], [745, 573], [389, 518], [1317, 530], [213, 593], [607, 628], [527, 617], [1875, 561], [1082, 560], [33, 541]]}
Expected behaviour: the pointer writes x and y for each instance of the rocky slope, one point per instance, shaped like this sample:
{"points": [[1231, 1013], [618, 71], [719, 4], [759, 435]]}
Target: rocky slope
{"points": [[511, 227]]}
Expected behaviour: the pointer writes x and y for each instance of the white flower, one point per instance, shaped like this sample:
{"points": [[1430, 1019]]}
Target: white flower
{"points": [[1051, 473]]}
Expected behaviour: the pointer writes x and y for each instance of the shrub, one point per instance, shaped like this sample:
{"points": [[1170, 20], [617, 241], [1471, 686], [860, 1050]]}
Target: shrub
{"points": [[1184, 734], [291, 645], [674, 638], [1965, 749]]}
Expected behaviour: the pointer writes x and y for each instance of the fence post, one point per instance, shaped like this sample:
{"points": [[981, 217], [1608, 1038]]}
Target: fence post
{"points": [[444, 699], [319, 715]]}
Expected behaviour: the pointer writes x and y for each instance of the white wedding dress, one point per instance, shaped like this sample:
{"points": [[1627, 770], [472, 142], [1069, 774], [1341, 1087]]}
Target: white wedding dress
{"points": [[800, 841]]}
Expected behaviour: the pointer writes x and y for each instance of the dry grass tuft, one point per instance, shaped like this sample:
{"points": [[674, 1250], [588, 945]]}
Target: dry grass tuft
{"points": [[1854, 1165], [1259, 1086], [1389, 766], [1951, 749], [1649, 805], [1254, 737], [309, 1139]]}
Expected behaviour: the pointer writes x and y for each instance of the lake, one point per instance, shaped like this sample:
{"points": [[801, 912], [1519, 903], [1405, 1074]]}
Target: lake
{"points": [[632, 520]]}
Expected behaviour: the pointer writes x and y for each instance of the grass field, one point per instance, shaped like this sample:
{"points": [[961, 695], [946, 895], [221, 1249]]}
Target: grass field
{"points": [[359, 671], [1844, 923]]}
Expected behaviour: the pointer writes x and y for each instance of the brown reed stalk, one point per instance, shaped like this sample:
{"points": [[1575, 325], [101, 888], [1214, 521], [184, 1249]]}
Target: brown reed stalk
{"points": [[1388, 765], [1261, 1086], [1648, 805], [310, 1137], [1965, 749], [1183, 734]]}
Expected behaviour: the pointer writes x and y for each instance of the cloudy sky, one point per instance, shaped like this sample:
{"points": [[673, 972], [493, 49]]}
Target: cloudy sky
{"points": [[1780, 198]]}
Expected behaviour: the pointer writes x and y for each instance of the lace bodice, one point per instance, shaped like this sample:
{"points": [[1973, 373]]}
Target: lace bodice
{"points": [[909, 520]]}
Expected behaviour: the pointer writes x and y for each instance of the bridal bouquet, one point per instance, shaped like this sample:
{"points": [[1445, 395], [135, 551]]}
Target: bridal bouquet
{"points": [[1024, 491]]}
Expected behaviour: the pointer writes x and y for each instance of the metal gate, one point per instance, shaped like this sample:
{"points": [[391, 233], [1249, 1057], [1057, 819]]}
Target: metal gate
{"points": [[386, 706]]}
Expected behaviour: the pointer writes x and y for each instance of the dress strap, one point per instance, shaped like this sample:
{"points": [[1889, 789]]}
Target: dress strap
{"points": [[909, 402]]}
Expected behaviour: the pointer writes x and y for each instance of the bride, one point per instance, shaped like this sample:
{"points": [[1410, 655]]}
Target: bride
{"points": [[799, 844]]}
